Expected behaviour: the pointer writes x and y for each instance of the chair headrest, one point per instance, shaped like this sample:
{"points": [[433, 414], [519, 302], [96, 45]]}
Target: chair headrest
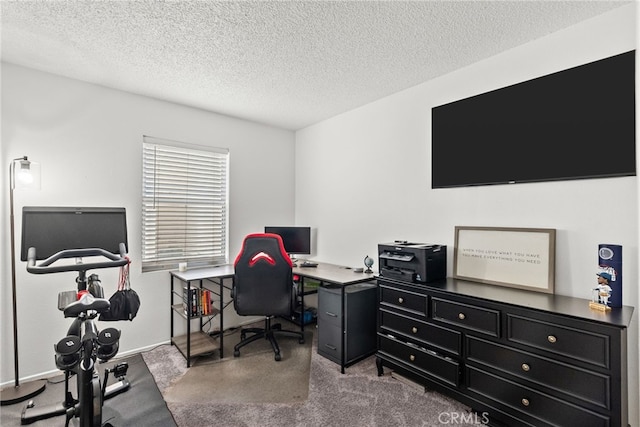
{"points": [[263, 247]]}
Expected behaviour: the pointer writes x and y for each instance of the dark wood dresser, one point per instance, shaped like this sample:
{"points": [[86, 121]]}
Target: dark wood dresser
{"points": [[518, 358]]}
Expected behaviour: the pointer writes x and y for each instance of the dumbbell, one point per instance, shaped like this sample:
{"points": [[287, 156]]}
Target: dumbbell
{"points": [[67, 352], [108, 343]]}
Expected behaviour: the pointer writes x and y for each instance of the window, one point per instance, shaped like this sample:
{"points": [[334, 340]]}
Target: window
{"points": [[184, 205]]}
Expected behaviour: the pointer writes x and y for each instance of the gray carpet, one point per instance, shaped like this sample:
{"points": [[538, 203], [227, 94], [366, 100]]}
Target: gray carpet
{"points": [[254, 377], [357, 398]]}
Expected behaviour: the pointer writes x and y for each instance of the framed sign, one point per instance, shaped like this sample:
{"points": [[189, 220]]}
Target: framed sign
{"points": [[514, 257]]}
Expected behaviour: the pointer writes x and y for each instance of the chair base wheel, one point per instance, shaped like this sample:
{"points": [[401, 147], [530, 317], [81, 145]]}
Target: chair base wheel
{"points": [[268, 333]]}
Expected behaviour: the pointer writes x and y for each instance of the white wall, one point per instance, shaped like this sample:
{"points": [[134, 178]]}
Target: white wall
{"points": [[364, 177], [88, 140]]}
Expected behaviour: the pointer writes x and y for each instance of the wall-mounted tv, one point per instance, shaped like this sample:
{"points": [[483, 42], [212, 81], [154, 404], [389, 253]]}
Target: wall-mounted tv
{"points": [[573, 124], [296, 240]]}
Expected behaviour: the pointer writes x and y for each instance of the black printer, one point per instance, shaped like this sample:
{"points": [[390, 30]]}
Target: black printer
{"points": [[412, 262]]}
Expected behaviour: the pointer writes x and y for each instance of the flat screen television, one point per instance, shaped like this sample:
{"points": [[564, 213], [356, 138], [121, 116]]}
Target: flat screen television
{"points": [[296, 240], [573, 124], [53, 229]]}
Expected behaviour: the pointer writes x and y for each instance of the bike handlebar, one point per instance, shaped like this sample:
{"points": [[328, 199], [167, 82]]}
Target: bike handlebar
{"points": [[115, 260]]}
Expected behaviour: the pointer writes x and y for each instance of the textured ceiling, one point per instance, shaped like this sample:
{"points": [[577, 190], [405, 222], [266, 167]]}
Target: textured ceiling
{"points": [[285, 63]]}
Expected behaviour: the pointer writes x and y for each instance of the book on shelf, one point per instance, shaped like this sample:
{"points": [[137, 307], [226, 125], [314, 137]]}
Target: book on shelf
{"points": [[188, 300], [196, 301]]}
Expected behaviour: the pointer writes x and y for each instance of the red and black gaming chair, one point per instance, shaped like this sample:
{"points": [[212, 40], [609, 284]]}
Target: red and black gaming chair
{"points": [[263, 286]]}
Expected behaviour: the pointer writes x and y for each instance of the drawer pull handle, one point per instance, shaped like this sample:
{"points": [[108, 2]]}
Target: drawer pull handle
{"points": [[461, 316], [400, 300], [525, 401], [414, 330], [330, 347], [331, 314], [552, 339], [412, 358], [526, 367]]}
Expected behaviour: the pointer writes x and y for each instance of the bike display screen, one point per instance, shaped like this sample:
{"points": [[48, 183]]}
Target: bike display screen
{"points": [[54, 229]]}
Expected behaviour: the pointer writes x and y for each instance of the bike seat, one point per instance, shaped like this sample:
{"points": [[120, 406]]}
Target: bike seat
{"points": [[85, 303]]}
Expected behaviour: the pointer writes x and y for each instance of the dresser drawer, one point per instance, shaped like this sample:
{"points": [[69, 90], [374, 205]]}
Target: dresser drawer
{"points": [[561, 340], [437, 336], [591, 387], [428, 362], [546, 409], [467, 316], [398, 298]]}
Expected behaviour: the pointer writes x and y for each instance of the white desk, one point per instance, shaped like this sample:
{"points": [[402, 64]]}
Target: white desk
{"points": [[327, 274]]}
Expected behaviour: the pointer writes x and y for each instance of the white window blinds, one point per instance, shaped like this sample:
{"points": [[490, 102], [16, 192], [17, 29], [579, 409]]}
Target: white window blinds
{"points": [[184, 205]]}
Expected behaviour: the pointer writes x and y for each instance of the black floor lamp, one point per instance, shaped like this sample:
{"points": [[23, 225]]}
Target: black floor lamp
{"points": [[26, 176]]}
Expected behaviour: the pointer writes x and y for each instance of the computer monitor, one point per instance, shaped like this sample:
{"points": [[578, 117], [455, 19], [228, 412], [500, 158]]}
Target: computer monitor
{"points": [[53, 229], [297, 240]]}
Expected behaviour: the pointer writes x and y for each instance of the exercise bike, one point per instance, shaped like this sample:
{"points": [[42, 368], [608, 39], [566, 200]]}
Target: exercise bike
{"points": [[84, 345]]}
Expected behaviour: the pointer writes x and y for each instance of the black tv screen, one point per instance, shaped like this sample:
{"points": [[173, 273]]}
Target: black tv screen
{"points": [[53, 229], [296, 240], [573, 124]]}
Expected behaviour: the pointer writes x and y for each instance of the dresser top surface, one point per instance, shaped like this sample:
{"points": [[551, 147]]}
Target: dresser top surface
{"points": [[558, 304]]}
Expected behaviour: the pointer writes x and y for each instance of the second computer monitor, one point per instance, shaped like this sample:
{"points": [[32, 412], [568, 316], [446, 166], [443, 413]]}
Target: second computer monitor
{"points": [[297, 240]]}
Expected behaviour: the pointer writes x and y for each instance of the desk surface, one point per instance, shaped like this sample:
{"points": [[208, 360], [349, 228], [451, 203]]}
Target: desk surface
{"points": [[324, 272], [217, 272], [332, 273]]}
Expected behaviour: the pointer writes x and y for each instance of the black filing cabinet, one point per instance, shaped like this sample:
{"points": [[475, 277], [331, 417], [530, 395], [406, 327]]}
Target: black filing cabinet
{"points": [[347, 330]]}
